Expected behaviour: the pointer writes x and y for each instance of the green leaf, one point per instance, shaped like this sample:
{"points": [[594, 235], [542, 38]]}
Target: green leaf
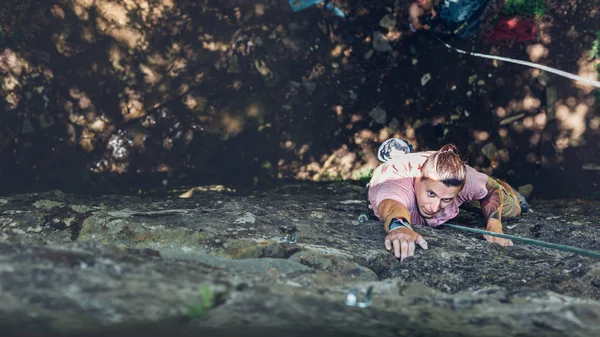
{"points": [[199, 308]]}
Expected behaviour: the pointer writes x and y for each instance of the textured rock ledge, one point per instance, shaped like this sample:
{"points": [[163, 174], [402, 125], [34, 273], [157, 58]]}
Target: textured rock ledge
{"points": [[76, 265]]}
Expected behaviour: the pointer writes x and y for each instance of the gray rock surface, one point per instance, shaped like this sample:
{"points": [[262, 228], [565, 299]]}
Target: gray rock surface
{"points": [[280, 262]]}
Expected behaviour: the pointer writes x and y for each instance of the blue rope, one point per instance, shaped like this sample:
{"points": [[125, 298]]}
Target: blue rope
{"points": [[565, 248]]}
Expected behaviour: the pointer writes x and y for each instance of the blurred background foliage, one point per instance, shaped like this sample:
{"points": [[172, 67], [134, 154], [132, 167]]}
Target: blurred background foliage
{"points": [[140, 95]]}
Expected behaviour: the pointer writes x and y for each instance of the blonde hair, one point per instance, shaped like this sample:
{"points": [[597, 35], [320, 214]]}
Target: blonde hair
{"points": [[445, 166]]}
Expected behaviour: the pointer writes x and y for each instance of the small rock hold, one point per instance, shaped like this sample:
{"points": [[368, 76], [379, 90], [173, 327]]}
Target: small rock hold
{"points": [[245, 218], [412, 50], [387, 22], [379, 115], [46, 121], [425, 79], [309, 86], [27, 126], [37, 229], [46, 204], [380, 43], [543, 78], [489, 150], [394, 124], [472, 79]]}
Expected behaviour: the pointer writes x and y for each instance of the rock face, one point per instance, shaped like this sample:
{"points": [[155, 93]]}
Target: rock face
{"points": [[281, 262]]}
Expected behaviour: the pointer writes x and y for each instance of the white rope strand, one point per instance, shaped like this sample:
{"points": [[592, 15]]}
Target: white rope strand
{"points": [[530, 64]]}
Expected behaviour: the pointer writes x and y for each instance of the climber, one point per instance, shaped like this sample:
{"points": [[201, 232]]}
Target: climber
{"points": [[459, 18], [427, 188], [418, 11]]}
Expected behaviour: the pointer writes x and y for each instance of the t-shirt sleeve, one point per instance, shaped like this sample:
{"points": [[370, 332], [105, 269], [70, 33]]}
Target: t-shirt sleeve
{"points": [[395, 180], [400, 190], [474, 188]]}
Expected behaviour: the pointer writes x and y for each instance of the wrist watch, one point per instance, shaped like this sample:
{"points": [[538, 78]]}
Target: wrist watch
{"points": [[399, 222]]}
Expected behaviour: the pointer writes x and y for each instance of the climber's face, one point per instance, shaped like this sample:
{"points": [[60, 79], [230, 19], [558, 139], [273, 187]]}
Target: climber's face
{"points": [[422, 3]]}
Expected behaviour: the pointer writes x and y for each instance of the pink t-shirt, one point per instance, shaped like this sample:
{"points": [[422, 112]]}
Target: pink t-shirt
{"points": [[395, 179]]}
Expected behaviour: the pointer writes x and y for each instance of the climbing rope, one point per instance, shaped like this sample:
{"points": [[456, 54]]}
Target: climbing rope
{"points": [[525, 63], [564, 248]]}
